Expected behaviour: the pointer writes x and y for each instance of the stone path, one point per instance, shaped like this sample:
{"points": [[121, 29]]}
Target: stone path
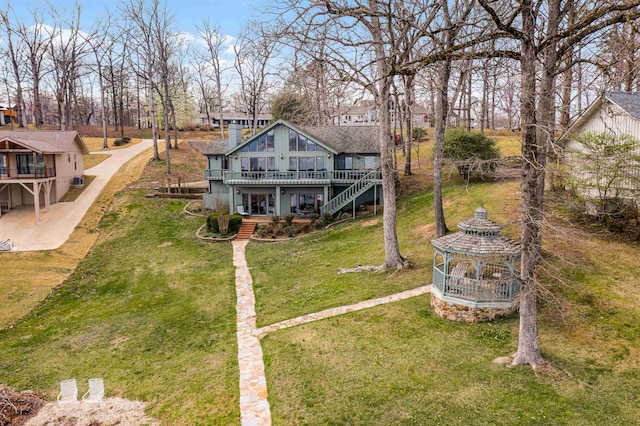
{"points": [[254, 407], [341, 310]]}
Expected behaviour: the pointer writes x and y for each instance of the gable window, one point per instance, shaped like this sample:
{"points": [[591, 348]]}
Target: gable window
{"points": [[271, 144], [298, 142]]}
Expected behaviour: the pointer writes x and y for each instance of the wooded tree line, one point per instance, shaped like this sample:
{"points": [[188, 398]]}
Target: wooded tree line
{"points": [[509, 63]]}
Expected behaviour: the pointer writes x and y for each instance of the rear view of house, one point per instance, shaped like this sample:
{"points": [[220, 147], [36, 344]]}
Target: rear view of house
{"points": [[287, 168], [38, 167]]}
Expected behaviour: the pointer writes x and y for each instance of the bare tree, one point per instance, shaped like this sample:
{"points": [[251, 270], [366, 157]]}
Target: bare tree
{"points": [[36, 42], [544, 36], [215, 42], [255, 48], [14, 54]]}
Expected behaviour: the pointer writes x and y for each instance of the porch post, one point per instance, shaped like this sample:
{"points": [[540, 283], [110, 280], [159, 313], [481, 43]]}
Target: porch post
{"points": [[278, 209], [232, 204], [375, 199], [36, 200], [47, 195]]}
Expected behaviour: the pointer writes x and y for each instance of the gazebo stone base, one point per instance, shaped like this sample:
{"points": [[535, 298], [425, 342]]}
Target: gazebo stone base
{"points": [[462, 313]]}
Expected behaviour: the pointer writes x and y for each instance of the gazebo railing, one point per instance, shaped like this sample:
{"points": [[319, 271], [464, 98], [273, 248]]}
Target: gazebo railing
{"points": [[479, 291]]}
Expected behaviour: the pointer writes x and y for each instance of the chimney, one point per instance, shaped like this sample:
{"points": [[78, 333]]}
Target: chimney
{"points": [[235, 135]]}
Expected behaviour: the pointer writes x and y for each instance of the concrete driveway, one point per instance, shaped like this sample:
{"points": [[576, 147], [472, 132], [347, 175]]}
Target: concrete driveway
{"points": [[58, 223]]}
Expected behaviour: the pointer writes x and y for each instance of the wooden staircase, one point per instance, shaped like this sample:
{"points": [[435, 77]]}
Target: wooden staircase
{"points": [[246, 231]]}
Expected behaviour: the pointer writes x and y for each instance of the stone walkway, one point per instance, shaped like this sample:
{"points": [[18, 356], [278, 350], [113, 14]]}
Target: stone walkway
{"points": [[254, 407], [341, 310]]}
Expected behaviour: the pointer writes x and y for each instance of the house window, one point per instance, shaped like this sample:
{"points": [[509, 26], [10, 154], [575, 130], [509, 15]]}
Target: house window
{"points": [[244, 164], [24, 163], [306, 163], [271, 144], [75, 164], [3, 165], [320, 163], [344, 163], [306, 203], [302, 143], [224, 163], [370, 162], [293, 140]]}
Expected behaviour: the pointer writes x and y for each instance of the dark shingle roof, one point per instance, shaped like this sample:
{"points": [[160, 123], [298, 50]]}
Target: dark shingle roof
{"points": [[46, 142], [630, 102], [215, 146], [346, 139]]}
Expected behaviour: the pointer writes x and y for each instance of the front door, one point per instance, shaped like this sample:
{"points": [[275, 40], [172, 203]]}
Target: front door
{"points": [[260, 204]]}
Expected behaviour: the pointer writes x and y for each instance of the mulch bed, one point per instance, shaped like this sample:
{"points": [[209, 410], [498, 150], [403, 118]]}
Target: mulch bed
{"points": [[17, 407]]}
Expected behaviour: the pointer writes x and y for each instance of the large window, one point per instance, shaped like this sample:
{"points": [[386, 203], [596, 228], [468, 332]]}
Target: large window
{"points": [[303, 204], [3, 165], [264, 143], [306, 164], [300, 143], [24, 163]]}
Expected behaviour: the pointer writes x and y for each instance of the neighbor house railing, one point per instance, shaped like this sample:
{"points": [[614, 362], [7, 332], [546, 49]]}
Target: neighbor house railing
{"points": [[39, 173]]}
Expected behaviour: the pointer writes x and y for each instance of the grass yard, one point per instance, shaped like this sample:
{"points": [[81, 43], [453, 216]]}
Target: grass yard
{"points": [[150, 309], [400, 364], [47, 269], [95, 144], [73, 193], [92, 160]]}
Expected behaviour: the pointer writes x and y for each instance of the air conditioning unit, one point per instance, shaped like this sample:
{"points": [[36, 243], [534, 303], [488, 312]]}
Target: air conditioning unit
{"points": [[78, 180]]}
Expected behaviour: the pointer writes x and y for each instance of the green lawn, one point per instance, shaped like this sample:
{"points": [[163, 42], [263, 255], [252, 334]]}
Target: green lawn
{"points": [[150, 309], [400, 364]]}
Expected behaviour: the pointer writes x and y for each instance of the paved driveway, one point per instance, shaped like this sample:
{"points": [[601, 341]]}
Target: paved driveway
{"points": [[58, 223]]}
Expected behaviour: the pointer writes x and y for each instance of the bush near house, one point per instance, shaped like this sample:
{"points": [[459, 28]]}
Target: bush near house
{"points": [[213, 225], [474, 155]]}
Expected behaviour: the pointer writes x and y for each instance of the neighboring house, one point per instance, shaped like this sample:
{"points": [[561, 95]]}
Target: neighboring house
{"points": [[614, 113], [38, 165], [240, 118], [8, 115], [365, 114], [293, 169]]}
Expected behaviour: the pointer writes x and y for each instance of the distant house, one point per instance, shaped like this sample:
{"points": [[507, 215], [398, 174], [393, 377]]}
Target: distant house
{"points": [[8, 115], [240, 118], [38, 167], [614, 113], [293, 169], [365, 113]]}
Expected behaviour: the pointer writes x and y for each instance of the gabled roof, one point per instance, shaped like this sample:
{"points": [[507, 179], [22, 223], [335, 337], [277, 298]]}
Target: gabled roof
{"points": [[45, 142], [346, 139], [335, 139], [213, 147], [628, 102]]}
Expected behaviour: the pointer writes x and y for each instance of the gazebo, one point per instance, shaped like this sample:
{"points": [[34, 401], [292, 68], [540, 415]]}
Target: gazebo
{"points": [[475, 272]]}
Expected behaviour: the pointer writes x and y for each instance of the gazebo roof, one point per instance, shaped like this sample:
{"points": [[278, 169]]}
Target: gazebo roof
{"points": [[478, 236]]}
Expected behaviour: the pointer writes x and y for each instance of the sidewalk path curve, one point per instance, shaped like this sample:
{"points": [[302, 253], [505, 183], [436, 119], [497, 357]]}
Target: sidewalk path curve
{"points": [[58, 223]]}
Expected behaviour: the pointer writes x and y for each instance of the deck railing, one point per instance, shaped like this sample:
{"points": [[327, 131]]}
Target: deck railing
{"points": [[37, 173], [291, 177], [474, 290]]}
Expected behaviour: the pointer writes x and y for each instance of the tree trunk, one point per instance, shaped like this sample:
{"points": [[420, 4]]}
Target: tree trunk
{"points": [[528, 351], [442, 107], [408, 96]]}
